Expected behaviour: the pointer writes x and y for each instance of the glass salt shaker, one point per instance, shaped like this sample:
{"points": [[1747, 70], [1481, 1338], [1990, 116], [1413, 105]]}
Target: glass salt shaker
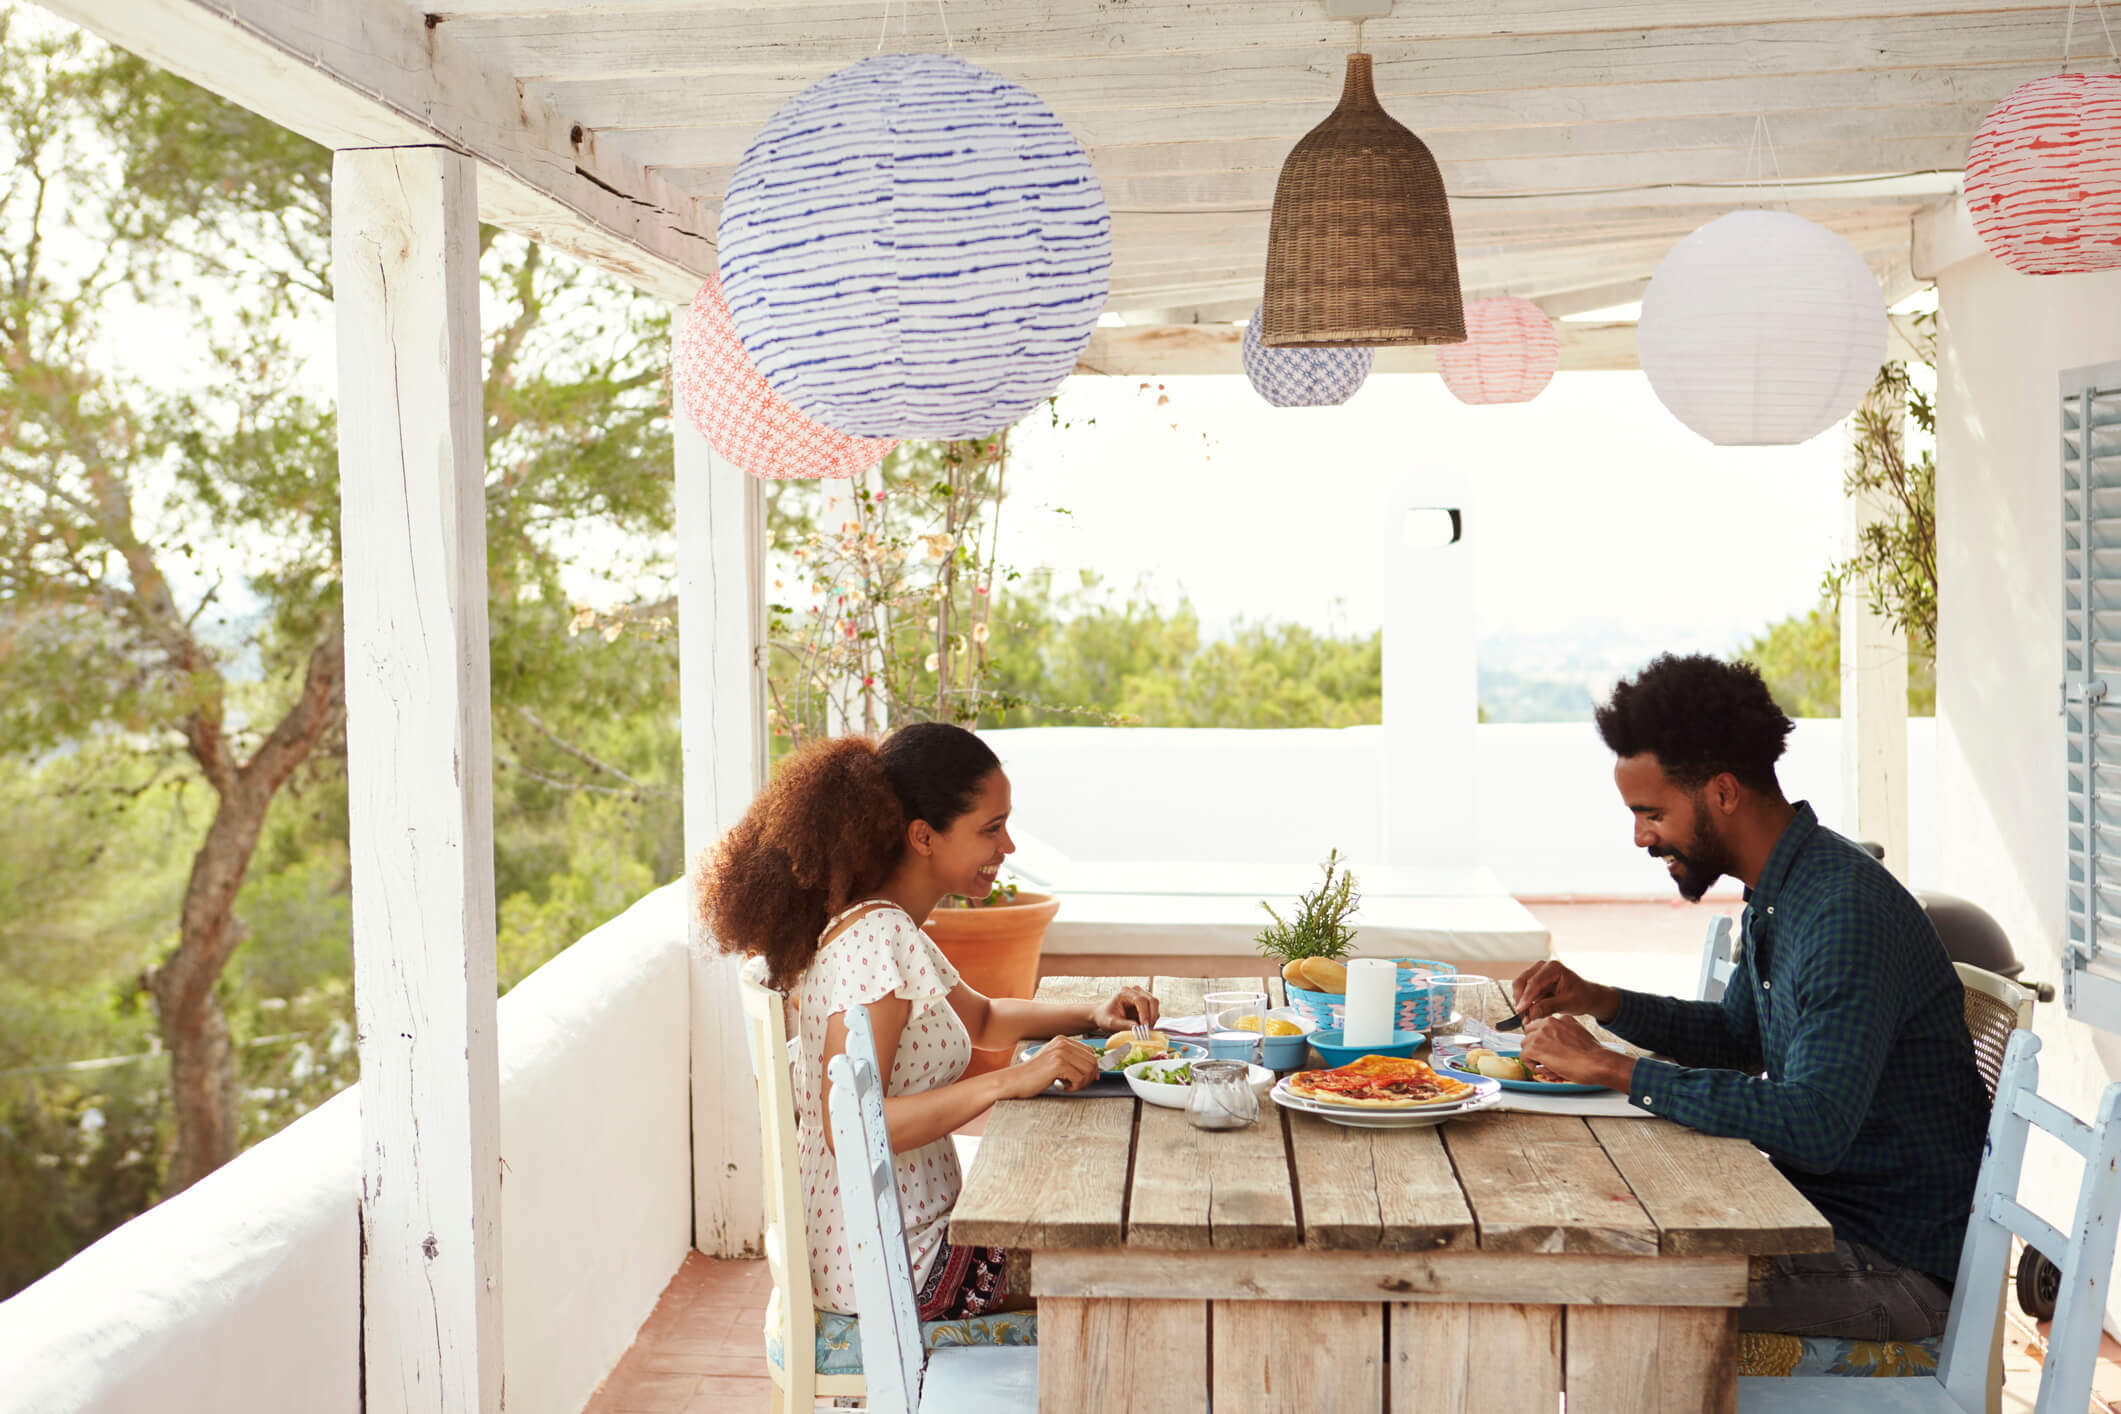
{"points": [[1223, 1097]]}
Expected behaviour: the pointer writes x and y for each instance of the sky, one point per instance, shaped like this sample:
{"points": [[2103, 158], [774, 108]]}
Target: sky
{"points": [[1595, 511]]}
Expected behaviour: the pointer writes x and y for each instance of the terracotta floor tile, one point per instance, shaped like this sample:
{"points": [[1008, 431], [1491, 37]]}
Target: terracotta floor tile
{"points": [[722, 1395], [638, 1389], [664, 1361]]}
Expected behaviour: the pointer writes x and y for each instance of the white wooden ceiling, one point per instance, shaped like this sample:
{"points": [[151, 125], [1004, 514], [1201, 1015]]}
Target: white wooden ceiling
{"points": [[1579, 138]]}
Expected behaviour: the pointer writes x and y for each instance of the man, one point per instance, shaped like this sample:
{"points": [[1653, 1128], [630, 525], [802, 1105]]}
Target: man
{"points": [[1840, 1047]]}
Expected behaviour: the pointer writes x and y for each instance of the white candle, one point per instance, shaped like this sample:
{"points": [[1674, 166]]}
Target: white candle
{"points": [[1372, 985]]}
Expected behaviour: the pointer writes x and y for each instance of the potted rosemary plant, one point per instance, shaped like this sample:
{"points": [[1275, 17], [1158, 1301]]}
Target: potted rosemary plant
{"points": [[1312, 941]]}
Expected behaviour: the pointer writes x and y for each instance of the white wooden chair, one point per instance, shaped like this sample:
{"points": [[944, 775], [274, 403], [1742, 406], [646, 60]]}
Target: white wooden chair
{"points": [[2085, 1255], [1719, 960], [791, 1312], [995, 1379]]}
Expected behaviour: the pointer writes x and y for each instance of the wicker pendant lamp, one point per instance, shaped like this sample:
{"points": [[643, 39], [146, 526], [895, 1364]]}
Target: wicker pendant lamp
{"points": [[1359, 251]]}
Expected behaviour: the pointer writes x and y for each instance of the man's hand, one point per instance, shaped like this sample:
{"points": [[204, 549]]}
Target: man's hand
{"points": [[1123, 1008], [1549, 989], [1564, 1046]]}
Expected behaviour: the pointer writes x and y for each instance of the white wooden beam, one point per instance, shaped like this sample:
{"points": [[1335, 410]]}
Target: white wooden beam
{"points": [[351, 75], [405, 270], [722, 124], [721, 627], [1146, 350], [1874, 668], [1434, 17], [705, 151], [1034, 38], [1944, 236]]}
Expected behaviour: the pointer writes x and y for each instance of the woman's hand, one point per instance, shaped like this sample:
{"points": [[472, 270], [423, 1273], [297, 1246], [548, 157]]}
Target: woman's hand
{"points": [[1123, 1008], [1063, 1058]]}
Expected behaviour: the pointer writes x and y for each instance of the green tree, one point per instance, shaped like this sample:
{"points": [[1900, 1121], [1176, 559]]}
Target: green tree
{"points": [[169, 601], [1800, 658], [1895, 558]]}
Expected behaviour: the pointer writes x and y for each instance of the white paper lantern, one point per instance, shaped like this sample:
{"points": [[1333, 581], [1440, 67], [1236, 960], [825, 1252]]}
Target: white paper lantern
{"points": [[1761, 328], [2043, 176], [1303, 377], [915, 247], [1509, 356]]}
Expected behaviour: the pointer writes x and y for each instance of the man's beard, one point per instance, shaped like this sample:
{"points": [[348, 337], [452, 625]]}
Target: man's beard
{"points": [[1703, 861]]}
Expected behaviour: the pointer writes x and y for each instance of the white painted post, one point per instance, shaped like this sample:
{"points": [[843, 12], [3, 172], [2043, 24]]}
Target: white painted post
{"points": [[1431, 685], [1873, 710], [405, 254], [721, 625]]}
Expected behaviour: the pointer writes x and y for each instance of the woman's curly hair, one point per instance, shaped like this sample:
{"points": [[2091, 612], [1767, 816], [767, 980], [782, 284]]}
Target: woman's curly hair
{"points": [[1700, 717], [826, 833]]}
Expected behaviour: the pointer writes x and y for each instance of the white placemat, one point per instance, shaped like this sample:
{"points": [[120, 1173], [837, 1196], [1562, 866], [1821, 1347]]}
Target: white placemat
{"points": [[1611, 1103]]}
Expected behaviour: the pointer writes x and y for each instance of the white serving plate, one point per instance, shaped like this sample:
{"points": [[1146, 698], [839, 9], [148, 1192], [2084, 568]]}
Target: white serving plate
{"points": [[1176, 1097], [1486, 1096]]}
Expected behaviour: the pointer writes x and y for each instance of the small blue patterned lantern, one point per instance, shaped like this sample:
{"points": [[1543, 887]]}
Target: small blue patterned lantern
{"points": [[1304, 378], [915, 247]]}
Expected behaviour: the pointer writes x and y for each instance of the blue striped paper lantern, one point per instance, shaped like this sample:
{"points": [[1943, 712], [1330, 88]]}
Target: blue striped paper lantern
{"points": [[915, 247], [1304, 377]]}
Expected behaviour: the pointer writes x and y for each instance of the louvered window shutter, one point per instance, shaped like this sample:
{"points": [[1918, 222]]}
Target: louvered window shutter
{"points": [[2091, 686]]}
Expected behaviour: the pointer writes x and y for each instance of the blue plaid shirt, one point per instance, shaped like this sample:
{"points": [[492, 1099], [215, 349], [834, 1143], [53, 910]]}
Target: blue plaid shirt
{"points": [[1840, 1049]]}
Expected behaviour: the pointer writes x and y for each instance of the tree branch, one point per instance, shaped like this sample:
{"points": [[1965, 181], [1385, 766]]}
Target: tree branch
{"points": [[570, 749]]}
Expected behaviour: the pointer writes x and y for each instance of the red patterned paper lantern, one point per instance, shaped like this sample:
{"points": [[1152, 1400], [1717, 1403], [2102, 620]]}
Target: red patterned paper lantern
{"points": [[2043, 177], [729, 401], [1510, 353]]}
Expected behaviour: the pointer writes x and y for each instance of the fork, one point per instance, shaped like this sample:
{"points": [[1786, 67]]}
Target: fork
{"points": [[1140, 1030]]}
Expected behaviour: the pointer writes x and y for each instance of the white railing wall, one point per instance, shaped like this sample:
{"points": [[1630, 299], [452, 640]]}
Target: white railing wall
{"points": [[1542, 810], [242, 1294]]}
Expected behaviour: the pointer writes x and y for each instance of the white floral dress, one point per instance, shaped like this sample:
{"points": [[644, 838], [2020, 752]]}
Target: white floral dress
{"points": [[883, 953]]}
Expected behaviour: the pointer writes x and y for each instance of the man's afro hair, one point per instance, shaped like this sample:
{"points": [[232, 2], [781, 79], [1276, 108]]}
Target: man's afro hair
{"points": [[1700, 717]]}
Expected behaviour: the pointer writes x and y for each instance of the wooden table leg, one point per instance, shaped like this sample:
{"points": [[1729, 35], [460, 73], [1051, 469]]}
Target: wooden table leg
{"points": [[1485, 1359], [1652, 1359], [1122, 1355], [1277, 1357]]}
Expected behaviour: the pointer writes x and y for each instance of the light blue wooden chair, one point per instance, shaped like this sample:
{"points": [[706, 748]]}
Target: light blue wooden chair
{"points": [[998, 1379], [1719, 958], [2085, 1255]]}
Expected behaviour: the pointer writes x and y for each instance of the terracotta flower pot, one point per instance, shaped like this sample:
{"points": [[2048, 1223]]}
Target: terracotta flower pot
{"points": [[995, 950]]}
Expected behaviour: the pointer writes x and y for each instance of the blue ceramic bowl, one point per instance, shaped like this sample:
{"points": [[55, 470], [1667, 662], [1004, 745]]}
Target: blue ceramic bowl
{"points": [[1329, 1045]]}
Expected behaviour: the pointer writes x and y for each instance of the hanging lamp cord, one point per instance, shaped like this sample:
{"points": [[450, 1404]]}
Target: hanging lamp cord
{"points": [[2069, 29], [884, 29]]}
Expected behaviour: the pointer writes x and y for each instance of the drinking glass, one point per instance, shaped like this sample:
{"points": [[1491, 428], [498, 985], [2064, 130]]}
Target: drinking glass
{"points": [[1224, 1010], [1223, 1097], [1467, 997]]}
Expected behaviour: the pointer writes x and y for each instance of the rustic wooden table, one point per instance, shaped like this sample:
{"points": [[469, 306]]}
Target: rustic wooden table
{"points": [[1485, 1265]]}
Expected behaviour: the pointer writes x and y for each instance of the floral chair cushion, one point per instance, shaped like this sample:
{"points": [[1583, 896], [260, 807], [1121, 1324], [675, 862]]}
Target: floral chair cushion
{"points": [[839, 1338], [1760, 1353]]}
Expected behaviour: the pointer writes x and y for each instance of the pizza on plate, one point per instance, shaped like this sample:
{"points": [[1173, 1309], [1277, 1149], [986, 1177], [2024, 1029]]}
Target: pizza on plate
{"points": [[1379, 1083]]}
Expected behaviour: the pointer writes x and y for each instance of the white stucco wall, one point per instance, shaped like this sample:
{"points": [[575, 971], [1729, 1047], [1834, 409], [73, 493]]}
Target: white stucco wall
{"points": [[1548, 820], [243, 1293], [2004, 340]]}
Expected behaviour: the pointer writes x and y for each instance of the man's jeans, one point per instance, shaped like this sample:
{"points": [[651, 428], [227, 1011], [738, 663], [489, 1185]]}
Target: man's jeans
{"points": [[1851, 1293]]}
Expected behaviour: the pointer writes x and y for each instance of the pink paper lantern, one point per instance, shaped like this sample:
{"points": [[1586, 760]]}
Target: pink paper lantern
{"points": [[728, 400], [1510, 353], [2043, 176]]}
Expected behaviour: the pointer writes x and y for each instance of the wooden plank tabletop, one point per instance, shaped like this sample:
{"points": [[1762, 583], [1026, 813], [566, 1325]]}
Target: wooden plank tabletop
{"points": [[1113, 1173]]}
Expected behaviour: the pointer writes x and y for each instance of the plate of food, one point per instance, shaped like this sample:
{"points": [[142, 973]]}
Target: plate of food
{"points": [[1512, 1071], [1120, 1050], [1384, 1085], [1479, 1097]]}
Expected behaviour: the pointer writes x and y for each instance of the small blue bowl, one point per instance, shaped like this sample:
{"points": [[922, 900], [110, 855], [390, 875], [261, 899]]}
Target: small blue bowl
{"points": [[1328, 1044]]}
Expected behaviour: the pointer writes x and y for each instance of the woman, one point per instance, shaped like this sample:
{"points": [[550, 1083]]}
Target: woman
{"points": [[827, 877]]}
